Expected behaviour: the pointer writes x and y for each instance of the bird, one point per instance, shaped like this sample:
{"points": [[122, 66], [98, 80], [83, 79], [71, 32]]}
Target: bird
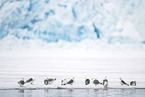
{"points": [[123, 82], [30, 80], [63, 82], [96, 82], [87, 81], [71, 81], [105, 82], [49, 81], [21, 82], [133, 83]]}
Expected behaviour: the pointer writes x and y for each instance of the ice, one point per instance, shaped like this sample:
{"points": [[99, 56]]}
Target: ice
{"points": [[72, 20], [79, 64], [75, 38]]}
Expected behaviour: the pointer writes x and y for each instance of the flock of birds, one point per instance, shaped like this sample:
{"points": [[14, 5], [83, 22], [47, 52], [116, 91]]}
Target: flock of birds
{"points": [[71, 81]]}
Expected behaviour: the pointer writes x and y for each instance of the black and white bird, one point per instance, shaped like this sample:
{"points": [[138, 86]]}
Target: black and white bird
{"points": [[87, 81], [30, 80], [105, 82], [21, 82], [65, 82], [49, 81], [123, 82], [71, 81], [96, 82], [133, 83]]}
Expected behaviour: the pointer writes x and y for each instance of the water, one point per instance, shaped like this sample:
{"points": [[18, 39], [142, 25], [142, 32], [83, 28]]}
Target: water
{"points": [[73, 93]]}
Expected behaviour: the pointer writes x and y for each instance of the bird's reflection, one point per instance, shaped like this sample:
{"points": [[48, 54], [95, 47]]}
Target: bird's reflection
{"points": [[21, 93]]}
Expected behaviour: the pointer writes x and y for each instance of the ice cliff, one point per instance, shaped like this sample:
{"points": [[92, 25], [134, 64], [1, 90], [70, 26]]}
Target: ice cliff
{"points": [[114, 21]]}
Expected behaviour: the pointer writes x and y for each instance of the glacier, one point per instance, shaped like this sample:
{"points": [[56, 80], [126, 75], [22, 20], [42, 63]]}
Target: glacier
{"points": [[72, 38], [52, 21]]}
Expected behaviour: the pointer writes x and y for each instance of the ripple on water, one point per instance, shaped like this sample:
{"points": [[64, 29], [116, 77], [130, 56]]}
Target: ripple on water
{"points": [[73, 93]]}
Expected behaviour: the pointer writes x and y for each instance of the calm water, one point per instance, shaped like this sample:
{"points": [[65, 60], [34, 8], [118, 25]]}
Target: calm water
{"points": [[74, 93]]}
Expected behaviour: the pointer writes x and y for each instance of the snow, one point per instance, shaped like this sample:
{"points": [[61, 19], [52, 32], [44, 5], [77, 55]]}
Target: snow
{"points": [[68, 64]]}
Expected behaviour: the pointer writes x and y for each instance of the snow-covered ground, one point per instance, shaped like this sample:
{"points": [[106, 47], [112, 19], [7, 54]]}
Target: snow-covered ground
{"points": [[81, 64]]}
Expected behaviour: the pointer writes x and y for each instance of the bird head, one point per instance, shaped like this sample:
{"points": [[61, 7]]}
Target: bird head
{"points": [[21, 78], [120, 78], [33, 78]]}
